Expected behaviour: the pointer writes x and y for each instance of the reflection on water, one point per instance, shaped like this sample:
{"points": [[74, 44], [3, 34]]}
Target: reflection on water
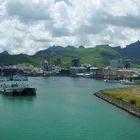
{"points": [[18, 98]]}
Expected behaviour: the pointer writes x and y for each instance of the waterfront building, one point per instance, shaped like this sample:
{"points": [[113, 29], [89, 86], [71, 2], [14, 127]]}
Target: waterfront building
{"points": [[97, 72], [64, 71], [124, 73], [136, 72], [109, 73], [76, 70], [7, 71], [76, 62], [45, 65]]}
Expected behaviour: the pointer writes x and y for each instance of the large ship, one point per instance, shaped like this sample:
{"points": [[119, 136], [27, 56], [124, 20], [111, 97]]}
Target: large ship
{"points": [[17, 89]]}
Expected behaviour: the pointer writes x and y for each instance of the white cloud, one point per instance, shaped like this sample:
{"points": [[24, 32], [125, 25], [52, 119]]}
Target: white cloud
{"points": [[30, 10], [122, 7], [36, 24]]}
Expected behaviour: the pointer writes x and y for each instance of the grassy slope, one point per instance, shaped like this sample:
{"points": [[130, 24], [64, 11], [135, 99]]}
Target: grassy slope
{"points": [[101, 55], [19, 59], [127, 94]]}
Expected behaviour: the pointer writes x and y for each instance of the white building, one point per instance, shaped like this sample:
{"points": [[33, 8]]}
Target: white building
{"points": [[76, 70], [45, 65]]}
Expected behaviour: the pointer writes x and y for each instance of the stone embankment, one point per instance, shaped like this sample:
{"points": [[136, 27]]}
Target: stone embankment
{"points": [[132, 109]]}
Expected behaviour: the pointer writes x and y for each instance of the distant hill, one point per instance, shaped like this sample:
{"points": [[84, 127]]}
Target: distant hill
{"points": [[101, 55], [50, 50], [131, 51], [4, 53], [7, 59]]}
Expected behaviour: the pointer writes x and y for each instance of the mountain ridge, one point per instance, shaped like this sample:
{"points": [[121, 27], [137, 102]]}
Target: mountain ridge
{"points": [[101, 54]]}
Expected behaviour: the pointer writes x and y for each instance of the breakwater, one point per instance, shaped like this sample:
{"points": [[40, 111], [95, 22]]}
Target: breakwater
{"points": [[131, 109]]}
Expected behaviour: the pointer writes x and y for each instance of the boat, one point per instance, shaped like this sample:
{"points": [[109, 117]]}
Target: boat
{"points": [[111, 81], [19, 77], [127, 82], [84, 75], [16, 89]]}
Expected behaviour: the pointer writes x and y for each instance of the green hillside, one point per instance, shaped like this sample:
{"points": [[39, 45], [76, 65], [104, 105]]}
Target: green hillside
{"points": [[7, 59], [101, 55]]}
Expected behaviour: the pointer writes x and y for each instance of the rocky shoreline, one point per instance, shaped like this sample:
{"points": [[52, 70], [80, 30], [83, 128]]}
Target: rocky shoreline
{"points": [[131, 109]]}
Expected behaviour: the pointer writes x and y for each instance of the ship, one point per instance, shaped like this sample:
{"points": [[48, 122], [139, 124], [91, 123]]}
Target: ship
{"points": [[16, 89]]}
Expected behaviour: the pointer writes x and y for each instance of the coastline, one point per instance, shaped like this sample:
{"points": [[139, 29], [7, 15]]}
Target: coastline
{"points": [[131, 109]]}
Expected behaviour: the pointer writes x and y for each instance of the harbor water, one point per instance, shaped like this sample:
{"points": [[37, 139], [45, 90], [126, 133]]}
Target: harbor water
{"points": [[65, 109]]}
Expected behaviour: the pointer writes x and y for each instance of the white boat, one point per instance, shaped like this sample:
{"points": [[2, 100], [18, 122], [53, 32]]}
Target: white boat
{"points": [[111, 81], [85, 75], [19, 78], [127, 82]]}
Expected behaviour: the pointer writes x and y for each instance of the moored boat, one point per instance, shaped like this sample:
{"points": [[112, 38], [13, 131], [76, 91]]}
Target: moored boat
{"points": [[16, 89], [127, 82], [111, 81], [19, 77]]}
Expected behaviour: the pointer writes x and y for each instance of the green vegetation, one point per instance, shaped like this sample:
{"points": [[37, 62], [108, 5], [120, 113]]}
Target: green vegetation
{"points": [[137, 65], [130, 94], [100, 55], [132, 101], [19, 59]]}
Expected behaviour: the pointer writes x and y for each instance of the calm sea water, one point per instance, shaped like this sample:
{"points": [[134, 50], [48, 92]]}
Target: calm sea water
{"points": [[65, 109]]}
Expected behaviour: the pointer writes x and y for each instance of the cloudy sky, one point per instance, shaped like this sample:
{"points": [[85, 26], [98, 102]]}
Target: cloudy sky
{"points": [[27, 26]]}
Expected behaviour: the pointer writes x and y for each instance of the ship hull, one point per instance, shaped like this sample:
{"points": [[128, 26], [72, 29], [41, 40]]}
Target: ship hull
{"points": [[24, 92]]}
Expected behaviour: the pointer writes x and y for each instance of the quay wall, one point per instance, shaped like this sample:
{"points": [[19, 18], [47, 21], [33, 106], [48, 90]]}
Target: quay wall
{"points": [[131, 109]]}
